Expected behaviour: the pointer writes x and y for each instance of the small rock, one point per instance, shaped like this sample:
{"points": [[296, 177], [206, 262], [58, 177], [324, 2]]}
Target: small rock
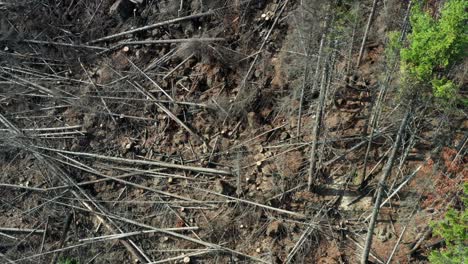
{"points": [[88, 121], [258, 149], [284, 135], [268, 169], [259, 157], [127, 144], [258, 73]]}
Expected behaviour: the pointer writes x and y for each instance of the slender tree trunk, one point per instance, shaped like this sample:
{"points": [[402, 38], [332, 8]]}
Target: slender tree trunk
{"points": [[305, 81], [387, 171], [317, 126], [405, 23], [320, 106], [366, 33], [351, 48], [319, 60], [374, 120]]}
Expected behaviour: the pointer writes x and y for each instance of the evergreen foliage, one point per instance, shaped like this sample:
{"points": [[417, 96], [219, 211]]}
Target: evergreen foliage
{"points": [[454, 229], [434, 46]]}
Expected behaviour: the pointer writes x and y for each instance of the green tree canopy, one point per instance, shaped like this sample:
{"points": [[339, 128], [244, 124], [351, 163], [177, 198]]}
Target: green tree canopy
{"points": [[435, 45]]}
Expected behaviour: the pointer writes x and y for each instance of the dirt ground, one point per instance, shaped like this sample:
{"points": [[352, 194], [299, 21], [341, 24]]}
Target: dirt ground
{"points": [[183, 143]]}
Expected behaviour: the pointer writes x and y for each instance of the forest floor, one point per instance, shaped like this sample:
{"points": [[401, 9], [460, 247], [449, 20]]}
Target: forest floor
{"points": [[183, 143]]}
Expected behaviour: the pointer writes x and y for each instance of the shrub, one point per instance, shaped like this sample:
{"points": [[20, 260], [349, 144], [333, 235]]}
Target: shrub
{"points": [[454, 230], [393, 46]]}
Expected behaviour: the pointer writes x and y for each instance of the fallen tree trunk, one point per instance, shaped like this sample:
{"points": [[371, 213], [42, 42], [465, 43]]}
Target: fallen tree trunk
{"points": [[387, 171]]}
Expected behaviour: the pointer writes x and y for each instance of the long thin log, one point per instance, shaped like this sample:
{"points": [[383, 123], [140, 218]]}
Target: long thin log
{"points": [[380, 190], [141, 162], [306, 79], [21, 230], [151, 100], [366, 33], [159, 24], [42, 129], [135, 233], [279, 210], [169, 41], [375, 118], [351, 48], [317, 128], [63, 44]]}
